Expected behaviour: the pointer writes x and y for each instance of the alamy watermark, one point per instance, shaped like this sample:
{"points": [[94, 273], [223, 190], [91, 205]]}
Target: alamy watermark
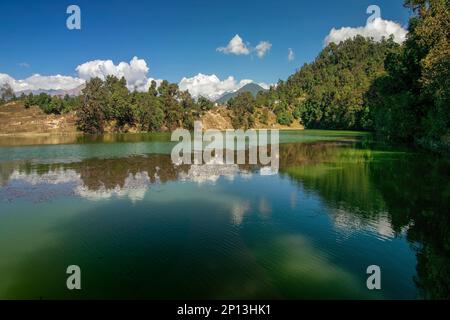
{"points": [[375, 12], [73, 22], [374, 280], [73, 282]]}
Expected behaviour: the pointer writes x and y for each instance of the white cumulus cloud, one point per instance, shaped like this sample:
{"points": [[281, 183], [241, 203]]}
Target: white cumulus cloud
{"points": [[235, 46], [135, 72], [376, 29], [238, 47], [37, 81], [262, 48], [210, 86]]}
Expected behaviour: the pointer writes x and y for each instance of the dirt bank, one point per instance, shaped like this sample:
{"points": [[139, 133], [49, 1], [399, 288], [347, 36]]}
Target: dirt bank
{"points": [[16, 119], [219, 118]]}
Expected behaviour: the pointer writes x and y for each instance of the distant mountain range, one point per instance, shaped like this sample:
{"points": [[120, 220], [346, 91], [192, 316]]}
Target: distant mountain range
{"points": [[61, 93], [253, 88]]}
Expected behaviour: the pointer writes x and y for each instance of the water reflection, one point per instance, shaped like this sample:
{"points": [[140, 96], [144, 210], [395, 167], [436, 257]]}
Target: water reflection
{"points": [[111, 175], [392, 193], [358, 198]]}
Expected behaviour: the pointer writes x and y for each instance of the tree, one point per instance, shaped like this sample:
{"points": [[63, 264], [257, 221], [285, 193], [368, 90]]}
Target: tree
{"points": [[204, 103], [147, 111], [6, 93], [242, 107], [262, 99], [168, 94], [284, 114], [118, 104], [190, 109], [91, 117], [152, 90]]}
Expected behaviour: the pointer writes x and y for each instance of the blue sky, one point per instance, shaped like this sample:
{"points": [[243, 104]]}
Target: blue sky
{"points": [[176, 38]]}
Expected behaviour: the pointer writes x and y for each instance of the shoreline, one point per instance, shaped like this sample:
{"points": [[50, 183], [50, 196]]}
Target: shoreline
{"points": [[60, 138]]}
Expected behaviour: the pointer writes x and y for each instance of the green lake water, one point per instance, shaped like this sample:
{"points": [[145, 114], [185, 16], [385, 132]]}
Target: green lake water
{"points": [[140, 227]]}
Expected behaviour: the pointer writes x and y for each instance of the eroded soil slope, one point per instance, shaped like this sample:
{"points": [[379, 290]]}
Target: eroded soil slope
{"points": [[16, 119]]}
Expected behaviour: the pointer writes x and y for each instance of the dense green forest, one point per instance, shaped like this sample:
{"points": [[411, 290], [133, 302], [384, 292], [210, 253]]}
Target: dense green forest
{"points": [[330, 92], [410, 102], [401, 92]]}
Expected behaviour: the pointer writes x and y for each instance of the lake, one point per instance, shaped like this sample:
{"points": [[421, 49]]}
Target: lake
{"points": [[140, 227]]}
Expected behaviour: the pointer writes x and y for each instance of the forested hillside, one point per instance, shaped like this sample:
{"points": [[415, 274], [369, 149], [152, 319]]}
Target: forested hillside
{"points": [[411, 102], [399, 91], [330, 92]]}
